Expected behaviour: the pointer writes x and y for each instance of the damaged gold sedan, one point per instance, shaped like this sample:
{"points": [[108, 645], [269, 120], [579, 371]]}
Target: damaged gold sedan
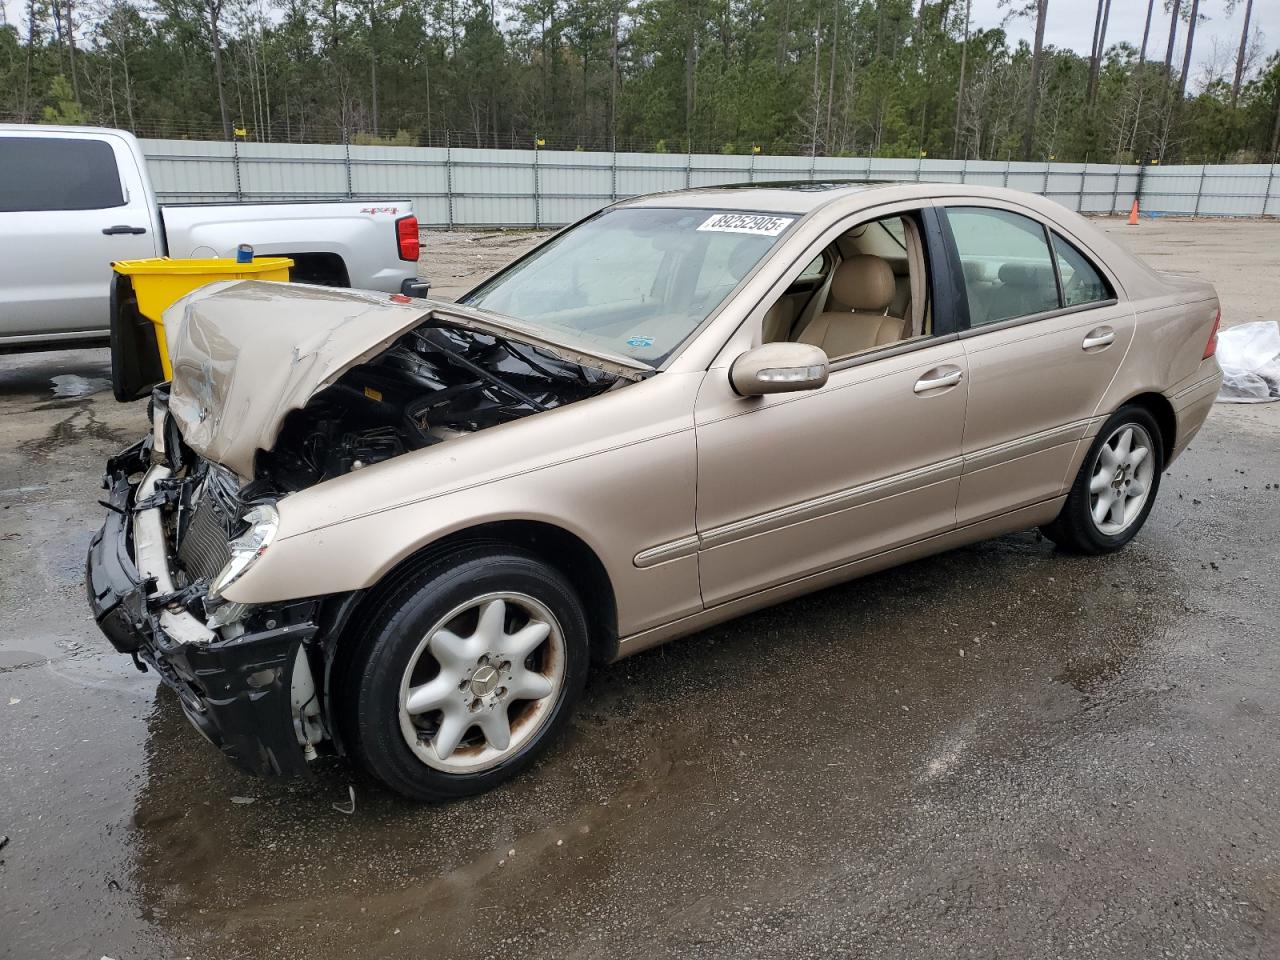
{"points": [[401, 530]]}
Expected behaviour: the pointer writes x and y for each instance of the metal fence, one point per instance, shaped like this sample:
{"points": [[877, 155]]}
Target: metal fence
{"points": [[544, 188]]}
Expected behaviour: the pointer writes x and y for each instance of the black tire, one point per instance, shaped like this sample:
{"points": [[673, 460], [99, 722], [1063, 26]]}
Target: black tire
{"points": [[368, 689], [1073, 529]]}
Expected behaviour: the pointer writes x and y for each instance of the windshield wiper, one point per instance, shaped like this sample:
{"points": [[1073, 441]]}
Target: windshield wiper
{"points": [[575, 371], [478, 370]]}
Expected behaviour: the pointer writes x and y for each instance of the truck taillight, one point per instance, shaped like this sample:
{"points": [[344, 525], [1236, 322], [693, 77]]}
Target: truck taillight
{"points": [[1211, 347], [407, 238]]}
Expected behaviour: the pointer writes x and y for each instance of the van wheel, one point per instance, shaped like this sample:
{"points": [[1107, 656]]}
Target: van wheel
{"points": [[1116, 487], [465, 673]]}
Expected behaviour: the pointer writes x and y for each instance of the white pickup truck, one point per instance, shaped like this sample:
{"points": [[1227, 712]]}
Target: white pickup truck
{"points": [[73, 199]]}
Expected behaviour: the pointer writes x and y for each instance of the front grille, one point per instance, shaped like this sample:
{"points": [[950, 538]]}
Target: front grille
{"points": [[203, 551]]}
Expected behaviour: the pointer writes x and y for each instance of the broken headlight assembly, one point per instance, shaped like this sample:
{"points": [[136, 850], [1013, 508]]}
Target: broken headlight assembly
{"points": [[260, 523]]}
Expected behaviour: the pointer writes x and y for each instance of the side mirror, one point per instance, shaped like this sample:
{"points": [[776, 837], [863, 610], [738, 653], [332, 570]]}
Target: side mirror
{"points": [[782, 367]]}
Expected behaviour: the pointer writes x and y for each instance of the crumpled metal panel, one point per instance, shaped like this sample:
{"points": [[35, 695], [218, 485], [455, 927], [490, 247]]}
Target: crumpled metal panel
{"points": [[246, 353]]}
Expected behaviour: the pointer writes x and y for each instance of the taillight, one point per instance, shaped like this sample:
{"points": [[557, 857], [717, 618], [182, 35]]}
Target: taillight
{"points": [[407, 238], [1211, 347]]}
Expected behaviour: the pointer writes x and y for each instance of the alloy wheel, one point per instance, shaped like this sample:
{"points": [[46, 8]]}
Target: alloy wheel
{"points": [[482, 682], [1120, 481]]}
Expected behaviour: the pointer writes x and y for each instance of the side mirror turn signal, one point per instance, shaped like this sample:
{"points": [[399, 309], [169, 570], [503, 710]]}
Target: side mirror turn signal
{"points": [[782, 367]]}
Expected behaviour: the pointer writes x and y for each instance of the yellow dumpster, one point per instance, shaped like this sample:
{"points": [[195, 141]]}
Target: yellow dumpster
{"points": [[141, 290]]}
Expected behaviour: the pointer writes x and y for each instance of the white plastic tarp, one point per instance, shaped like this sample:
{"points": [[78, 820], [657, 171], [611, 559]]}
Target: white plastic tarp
{"points": [[1250, 359]]}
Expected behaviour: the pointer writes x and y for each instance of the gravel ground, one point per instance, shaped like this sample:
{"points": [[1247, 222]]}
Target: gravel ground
{"points": [[998, 752], [455, 260]]}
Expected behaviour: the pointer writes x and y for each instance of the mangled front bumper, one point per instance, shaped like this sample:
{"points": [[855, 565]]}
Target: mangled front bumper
{"points": [[240, 693]]}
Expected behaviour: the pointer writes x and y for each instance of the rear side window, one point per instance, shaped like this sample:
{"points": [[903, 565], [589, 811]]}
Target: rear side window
{"points": [[46, 173], [1008, 271], [1081, 281], [816, 269]]}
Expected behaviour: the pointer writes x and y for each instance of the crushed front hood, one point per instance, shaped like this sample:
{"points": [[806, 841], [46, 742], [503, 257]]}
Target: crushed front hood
{"points": [[245, 353]]}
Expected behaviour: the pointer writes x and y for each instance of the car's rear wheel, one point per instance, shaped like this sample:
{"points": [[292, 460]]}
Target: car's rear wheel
{"points": [[464, 674], [1116, 487]]}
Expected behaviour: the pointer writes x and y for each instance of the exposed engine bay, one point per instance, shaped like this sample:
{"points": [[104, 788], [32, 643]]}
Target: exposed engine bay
{"points": [[433, 384]]}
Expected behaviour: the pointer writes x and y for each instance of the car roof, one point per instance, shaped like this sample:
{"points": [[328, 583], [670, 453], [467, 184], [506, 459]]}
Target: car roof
{"points": [[50, 129], [783, 196], [804, 196]]}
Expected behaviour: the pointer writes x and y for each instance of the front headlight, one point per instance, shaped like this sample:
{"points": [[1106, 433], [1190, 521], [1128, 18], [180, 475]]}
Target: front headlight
{"points": [[262, 520]]}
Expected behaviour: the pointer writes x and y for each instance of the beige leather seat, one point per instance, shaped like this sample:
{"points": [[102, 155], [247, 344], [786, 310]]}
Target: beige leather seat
{"points": [[866, 284], [1025, 288], [778, 321]]}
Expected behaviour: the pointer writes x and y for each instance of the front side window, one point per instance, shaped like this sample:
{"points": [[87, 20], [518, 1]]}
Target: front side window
{"points": [[877, 295], [634, 280], [1081, 281], [1008, 271], [47, 173]]}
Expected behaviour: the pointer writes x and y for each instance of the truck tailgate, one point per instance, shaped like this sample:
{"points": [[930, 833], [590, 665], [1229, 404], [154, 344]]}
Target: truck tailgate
{"points": [[342, 243]]}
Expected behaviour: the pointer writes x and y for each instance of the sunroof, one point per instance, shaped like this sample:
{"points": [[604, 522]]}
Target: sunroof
{"points": [[805, 186]]}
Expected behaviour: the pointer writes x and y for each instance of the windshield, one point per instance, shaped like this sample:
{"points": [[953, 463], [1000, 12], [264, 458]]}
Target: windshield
{"points": [[636, 280]]}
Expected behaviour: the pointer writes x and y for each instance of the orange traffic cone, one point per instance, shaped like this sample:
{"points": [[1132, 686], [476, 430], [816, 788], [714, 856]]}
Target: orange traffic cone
{"points": [[1133, 214]]}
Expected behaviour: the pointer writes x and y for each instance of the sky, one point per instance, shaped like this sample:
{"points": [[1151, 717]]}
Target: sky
{"points": [[1070, 24]]}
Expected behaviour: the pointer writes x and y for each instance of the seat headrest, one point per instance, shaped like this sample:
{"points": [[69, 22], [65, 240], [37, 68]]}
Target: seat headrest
{"points": [[1026, 274], [975, 271], [864, 282]]}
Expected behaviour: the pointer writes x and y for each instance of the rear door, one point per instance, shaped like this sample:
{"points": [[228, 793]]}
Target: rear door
{"points": [[1045, 336], [69, 205]]}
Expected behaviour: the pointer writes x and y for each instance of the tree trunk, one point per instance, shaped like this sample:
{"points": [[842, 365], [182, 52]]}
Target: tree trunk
{"points": [[1186, 57], [1241, 54], [373, 71], [831, 75], [1033, 95], [128, 92], [964, 56], [1093, 53], [783, 35], [817, 91], [266, 83], [215, 41], [1173, 36], [1100, 44], [1137, 118], [690, 74], [1275, 134], [71, 49], [1146, 33], [32, 34], [613, 77]]}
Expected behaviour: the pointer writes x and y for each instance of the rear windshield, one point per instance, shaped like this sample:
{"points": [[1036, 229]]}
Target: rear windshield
{"points": [[49, 173], [635, 280]]}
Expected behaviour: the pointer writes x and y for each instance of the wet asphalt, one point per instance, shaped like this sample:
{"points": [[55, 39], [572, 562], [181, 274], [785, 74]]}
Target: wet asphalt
{"points": [[1002, 751]]}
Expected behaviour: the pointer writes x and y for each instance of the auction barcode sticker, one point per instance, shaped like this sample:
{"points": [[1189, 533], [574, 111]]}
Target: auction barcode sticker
{"points": [[757, 223]]}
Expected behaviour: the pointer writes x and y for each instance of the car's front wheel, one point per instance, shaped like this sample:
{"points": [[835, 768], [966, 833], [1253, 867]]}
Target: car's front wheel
{"points": [[1116, 487], [464, 674]]}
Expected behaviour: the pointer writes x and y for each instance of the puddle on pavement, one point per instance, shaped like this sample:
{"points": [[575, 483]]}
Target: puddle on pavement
{"points": [[720, 764], [80, 424], [74, 385]]}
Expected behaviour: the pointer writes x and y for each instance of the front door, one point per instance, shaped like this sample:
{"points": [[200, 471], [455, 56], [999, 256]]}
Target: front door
{"points": [[74, 204], [794, 484]]}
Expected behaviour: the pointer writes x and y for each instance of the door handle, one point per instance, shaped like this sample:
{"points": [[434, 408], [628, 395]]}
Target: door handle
{"points": [[1098, 337], [937, 379], [123, 228]]}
